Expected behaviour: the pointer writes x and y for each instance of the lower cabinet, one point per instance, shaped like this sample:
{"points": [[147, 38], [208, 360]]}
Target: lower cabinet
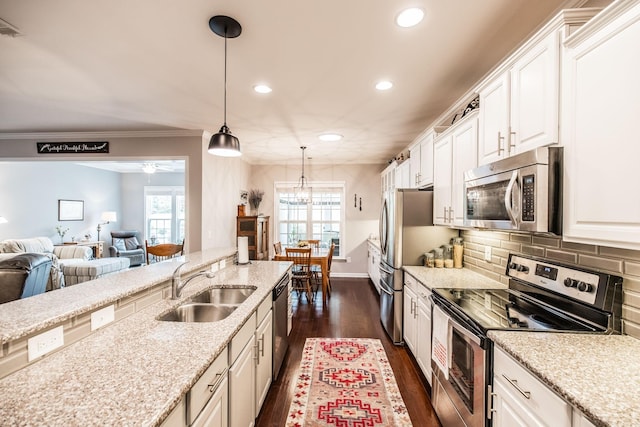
{"points": [[373, 265], [520, 399], [232, 395], [417, 322]]}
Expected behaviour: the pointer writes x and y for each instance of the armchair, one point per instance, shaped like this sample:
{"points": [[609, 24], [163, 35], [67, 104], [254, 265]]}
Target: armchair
{"points": [[23, 275], [126, 244]]}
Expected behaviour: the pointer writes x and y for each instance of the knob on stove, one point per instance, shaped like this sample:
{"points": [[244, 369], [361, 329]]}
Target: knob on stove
{"points": [[584, 287], [570, 283], [513, 266], [522, 268]]}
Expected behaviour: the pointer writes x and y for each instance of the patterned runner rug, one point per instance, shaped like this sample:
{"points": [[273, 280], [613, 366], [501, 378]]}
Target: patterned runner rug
{"points": [[346, 382]]}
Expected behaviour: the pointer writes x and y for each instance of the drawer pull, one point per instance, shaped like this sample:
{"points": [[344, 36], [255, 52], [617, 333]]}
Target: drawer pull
{"points": [[514, 383], [262, 346], [217, 380]]}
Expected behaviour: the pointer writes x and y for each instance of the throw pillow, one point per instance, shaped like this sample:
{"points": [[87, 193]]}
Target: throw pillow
{"points": [[119, 244], [131, 243]]}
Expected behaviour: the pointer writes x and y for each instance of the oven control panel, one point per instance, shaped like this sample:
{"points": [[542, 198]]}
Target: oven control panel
{"points": [[574, 283]]}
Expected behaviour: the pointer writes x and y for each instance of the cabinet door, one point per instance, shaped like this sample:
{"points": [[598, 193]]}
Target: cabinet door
{"points": [[426, 161], [409, 317], [508, 413], [534, 97], [423, 341], [494, 120], [403, 175], [442, 179], [600, 114], [464, 146], [215, 413], [242, 388], [264, 339], [414, 165]]}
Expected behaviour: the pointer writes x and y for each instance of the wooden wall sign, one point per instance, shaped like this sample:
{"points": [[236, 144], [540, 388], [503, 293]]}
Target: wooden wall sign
{"points": [[73, 147]]}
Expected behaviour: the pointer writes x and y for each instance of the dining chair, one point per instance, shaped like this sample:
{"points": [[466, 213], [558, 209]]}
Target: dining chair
{"points": [[277, 248], [317, 272], [314, 244], [163, 251], [302, 275]]}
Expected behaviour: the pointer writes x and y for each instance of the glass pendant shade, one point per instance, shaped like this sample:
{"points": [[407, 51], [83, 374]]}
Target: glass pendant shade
{"points": [[302, 192], [224, 144]]}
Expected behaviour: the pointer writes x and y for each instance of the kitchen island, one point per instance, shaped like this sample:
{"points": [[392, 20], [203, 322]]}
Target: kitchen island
{"points": [[136, 370], [597, 374]]}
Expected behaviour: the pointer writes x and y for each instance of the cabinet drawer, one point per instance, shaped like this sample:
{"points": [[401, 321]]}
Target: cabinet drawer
{"points": [[528, 390], [264, 308], [410, 281], [206, 386], [244, 335]]}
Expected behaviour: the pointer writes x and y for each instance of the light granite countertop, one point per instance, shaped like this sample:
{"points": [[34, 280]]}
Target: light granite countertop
{"points": [[449, 278], [136, 370], [598, 374]]}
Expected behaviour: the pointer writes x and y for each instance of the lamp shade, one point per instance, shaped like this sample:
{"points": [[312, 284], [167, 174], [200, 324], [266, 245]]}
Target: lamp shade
{"points": [[224, 144], [109, 216]]}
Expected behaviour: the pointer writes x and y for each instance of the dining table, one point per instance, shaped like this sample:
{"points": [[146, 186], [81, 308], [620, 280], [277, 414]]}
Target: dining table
{"points": [[319, 256]]}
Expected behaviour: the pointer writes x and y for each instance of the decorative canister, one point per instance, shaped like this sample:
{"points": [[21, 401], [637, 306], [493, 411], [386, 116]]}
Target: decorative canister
{"points": [[458, 252], [429, 259], [439, 258], [447, 252]]}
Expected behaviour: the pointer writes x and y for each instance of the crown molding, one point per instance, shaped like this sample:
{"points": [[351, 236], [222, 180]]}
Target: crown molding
{"points": [[101, 135]]}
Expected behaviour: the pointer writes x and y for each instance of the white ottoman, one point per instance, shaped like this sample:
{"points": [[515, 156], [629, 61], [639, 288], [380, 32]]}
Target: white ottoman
{"points": [[79, 270]]}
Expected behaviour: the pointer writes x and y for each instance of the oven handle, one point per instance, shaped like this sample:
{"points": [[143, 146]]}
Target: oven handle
{"points": [[479, 340], [513, 215]]}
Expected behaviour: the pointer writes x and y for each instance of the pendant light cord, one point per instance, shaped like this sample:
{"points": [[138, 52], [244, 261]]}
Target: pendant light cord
{"points": [[225, 77]]}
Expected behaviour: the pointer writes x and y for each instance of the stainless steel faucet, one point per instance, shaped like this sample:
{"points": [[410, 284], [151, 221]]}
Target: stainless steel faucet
{"points": [[176, 282]]}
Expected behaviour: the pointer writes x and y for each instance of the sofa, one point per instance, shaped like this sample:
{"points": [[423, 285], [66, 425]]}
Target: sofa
{"points": [[70, 264]]}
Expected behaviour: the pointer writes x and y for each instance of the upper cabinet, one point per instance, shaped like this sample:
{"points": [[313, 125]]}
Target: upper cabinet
{"points": [[455, 152], [600, 91], [421, 161], [519, 102], [388, 177], [403, 175]]}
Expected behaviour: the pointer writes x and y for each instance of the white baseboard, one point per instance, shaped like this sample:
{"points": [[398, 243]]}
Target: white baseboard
{"points": [[351, 275]]}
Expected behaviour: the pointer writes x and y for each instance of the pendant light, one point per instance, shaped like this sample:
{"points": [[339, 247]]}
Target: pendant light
{"points": [[224, 143], [303, 192]]}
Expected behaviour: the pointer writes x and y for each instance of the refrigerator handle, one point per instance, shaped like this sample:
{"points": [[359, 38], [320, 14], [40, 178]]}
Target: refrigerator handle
{"points": [[385, 270]]}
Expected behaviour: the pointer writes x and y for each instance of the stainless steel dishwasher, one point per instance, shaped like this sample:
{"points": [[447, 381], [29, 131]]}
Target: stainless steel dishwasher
{"points": [[280, 317]]}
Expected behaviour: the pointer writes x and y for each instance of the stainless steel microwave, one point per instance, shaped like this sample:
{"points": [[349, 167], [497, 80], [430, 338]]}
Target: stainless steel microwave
{"points": [[522, 193]]}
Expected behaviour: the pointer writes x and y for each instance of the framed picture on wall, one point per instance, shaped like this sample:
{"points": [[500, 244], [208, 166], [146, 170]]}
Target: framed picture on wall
{"points": [[70, 210]]}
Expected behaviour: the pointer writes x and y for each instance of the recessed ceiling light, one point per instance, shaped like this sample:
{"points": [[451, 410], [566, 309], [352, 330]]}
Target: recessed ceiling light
{"points": [[410, 17], [329, 137], [262, 88], [384, 85]]}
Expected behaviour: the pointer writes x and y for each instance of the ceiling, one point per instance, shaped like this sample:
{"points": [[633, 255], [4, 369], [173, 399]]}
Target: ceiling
{"points": [[154, 65]]}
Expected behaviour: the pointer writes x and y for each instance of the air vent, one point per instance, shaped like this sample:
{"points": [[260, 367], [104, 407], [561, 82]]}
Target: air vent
{"points": [[7, 29]]}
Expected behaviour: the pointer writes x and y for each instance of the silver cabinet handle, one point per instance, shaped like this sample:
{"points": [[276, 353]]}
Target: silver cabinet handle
{"points": [[256, 353], [262, 346], [500, 139], [512, 133], [445, 214], [217, 380], [514, 383], [450, 214], [490, 395]]}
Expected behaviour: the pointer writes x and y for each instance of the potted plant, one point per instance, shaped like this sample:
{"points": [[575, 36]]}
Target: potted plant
{"points": [[255, 198]]}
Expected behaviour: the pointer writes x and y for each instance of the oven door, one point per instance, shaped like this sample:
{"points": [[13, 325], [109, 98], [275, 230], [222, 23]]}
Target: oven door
{"points": [[459, 400]]}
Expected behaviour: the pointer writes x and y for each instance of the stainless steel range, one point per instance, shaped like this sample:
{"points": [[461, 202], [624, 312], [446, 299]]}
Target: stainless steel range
{"points": [[543, 296]]}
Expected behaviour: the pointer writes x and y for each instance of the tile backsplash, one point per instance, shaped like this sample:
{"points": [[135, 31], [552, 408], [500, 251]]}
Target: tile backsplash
{"points": [[621, 262]]}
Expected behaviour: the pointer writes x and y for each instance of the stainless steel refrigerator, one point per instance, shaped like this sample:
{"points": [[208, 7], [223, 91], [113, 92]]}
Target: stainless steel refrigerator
{"points": [[406, 233]]}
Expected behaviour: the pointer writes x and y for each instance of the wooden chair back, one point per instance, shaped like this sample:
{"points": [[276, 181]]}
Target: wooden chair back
{"points": [[163, 251], [314, 244], [301, 258], [277, 248], [330, 257]]}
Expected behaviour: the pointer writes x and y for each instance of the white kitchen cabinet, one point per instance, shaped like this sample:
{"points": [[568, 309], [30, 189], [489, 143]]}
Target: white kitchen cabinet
{"points": [[423, 341], [579, 420], [519, 103], [388, 177], [177, 417], [417, 322], [519, 399], [455, 153], [242, 376], [421, 161], [209, 394], [600, 89], [410, 313], [403, 175], [264, 358], [373, 264], [215, 413]]}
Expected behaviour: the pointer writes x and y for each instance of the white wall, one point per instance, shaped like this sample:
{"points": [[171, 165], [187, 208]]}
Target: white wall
{"points": [[29, 193], [362, 180]]}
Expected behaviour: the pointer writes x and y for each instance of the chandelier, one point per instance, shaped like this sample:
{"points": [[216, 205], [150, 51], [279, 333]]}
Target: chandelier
{"points": [[302, 192]]}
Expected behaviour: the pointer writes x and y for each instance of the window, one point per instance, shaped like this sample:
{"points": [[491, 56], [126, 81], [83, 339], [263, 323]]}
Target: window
{"points": [[322, 219], [164, 213]]}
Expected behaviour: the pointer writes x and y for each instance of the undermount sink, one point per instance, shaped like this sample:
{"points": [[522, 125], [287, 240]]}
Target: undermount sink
{"points": [[223, 295], [195, 312]]}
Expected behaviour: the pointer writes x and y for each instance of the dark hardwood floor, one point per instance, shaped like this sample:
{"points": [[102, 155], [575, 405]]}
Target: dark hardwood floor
{"points": [[352, 311]]}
